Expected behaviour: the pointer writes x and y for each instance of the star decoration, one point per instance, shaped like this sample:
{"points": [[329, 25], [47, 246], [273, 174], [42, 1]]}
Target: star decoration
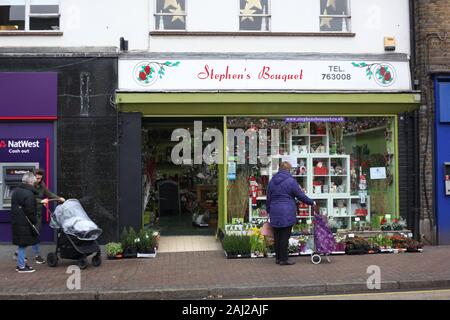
{"points": [[177, 10], [247, 10], [325, 21], [254, 4], [170, 3], [331, 3]]}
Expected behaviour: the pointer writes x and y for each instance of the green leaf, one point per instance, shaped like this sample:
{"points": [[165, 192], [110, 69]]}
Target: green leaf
{"points": [[355, 64], [176, 64], [363, 64], [167, 63]]}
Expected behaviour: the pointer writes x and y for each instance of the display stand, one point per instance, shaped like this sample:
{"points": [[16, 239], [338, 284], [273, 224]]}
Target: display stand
{"points": [[322, 176]]}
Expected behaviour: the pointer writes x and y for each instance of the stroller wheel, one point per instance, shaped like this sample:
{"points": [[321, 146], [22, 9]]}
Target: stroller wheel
{"points": [[316, 259], [82, 263], [52, 259], [96, 260]]}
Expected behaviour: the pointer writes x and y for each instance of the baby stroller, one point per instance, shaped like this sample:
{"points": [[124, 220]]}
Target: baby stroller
{"points": [[324, 242], [76, 235]]}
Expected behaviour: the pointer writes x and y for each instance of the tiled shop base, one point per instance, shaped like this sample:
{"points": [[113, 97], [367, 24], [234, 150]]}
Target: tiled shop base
{"points": [[188, 243]]}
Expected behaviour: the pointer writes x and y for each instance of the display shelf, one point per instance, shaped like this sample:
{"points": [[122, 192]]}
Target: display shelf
{"points": [[325, 183]]}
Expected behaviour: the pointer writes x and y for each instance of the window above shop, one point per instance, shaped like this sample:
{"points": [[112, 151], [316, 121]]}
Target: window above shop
{"points": [[254, 15], [170, 15], [29, 15], [334, 15], [254, 18]]}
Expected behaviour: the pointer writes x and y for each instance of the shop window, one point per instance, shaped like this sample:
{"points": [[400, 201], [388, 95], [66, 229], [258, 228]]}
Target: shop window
{"points": [[170, 15], [346, 164], [335, 15], [29, 15], [254, 15]]}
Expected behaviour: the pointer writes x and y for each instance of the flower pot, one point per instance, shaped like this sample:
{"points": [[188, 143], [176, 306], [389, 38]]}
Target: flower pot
{"points": [[151, 254], [115, 257]]}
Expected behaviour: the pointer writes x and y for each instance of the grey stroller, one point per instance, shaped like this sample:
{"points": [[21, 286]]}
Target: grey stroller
{"points": [[76, 235]]}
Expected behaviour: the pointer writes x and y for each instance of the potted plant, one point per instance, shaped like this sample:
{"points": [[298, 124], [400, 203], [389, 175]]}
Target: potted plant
{"points": [[237, 246], [129, 243], [413, 245], [257, 243], [340, 244], [114, 250], [146, 244], [270, 247], [356, 245], [399, 243], [294, 247]]}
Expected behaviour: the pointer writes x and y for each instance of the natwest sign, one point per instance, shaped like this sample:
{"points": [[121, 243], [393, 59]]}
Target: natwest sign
{"points": [[248, 74]]}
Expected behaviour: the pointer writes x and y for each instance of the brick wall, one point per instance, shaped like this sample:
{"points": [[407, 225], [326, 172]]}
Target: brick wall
{"points": [[432, 28]]}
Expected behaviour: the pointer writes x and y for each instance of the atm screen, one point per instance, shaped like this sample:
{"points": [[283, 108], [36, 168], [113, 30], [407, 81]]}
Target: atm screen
{"points": [[12, 178]]}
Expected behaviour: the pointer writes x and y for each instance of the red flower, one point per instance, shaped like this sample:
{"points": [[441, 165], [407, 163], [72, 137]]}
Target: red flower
{"points": [[387, 76], [142, 75], [395, 220], [382, 71], [147, 69], [383, 221]]}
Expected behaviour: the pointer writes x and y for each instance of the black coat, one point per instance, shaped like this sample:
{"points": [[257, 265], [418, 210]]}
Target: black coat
{"points": [[23, 203]]}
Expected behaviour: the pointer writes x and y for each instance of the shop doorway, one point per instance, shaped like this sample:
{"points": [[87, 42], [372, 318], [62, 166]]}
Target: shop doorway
{"points": [[178, 200]]}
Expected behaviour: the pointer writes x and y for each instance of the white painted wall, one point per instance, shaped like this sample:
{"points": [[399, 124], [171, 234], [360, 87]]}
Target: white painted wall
{"points": [[103, 22]]}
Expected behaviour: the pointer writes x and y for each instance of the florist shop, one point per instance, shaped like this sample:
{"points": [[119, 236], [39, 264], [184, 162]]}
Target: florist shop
{"points": [[338, 123]]}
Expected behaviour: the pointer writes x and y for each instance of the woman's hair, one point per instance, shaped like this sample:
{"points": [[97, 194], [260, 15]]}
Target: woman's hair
{"points": [[40, 172], [285, 166], [29, 178]]}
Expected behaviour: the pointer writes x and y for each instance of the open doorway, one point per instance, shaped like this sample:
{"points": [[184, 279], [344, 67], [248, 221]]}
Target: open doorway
{"points": [[179, 200]]}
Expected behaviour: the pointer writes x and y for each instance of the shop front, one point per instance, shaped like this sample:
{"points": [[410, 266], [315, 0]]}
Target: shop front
{"points": [[336, 122], [27, 138]]}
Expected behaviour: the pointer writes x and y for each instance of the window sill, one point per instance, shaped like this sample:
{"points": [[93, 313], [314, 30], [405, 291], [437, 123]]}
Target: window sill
{"points": [[31, 33], [250, 34]]}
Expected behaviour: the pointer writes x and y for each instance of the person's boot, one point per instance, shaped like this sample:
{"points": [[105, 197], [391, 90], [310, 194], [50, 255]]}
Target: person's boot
{"points": [[287, 263]]}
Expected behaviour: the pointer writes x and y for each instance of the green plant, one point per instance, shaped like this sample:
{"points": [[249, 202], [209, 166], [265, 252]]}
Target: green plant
{"points": [[147, 241], [237, 244], [128, 239], [257, 244], [113, 248]]}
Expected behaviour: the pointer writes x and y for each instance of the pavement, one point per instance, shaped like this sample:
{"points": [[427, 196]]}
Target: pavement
{"points": [[209, 275]]}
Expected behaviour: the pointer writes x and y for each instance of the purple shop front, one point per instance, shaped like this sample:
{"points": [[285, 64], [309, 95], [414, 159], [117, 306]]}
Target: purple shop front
{"points": [[28, 111]]}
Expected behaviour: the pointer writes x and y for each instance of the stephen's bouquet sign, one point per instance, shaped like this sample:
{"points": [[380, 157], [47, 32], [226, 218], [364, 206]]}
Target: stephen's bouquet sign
{"points": [[149, 75]]}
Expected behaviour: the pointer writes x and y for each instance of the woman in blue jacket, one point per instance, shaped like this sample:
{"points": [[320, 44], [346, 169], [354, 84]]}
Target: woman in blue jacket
{"points": [[282, 192]]}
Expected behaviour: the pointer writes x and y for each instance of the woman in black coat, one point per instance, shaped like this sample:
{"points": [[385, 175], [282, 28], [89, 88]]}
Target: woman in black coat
{"points": [[23, 206]]}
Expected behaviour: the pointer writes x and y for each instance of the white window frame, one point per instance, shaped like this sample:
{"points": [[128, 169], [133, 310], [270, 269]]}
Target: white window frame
{"points": [[347, 16], [29, 15], [268, 16], [157, 15]]}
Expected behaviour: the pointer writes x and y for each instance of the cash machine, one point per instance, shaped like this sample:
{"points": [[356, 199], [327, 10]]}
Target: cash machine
{"points": [[10, 177]]}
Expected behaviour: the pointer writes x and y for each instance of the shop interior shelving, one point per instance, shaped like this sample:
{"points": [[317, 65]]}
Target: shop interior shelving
{"points": [[328, 186]]}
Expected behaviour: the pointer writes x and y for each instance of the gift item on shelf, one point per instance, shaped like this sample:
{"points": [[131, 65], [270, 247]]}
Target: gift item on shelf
{"points": [[317, 186], [320, 169], [253, 191]]}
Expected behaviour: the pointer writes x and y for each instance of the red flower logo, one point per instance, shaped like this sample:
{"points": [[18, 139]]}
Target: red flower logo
{"points": [[2, 144]]}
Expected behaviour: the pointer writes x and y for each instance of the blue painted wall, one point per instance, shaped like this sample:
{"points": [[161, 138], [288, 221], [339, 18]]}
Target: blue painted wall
{"points": [[442, 150]]}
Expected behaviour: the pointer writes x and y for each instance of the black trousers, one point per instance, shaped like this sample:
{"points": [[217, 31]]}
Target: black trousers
{"points": [[281, 237]]}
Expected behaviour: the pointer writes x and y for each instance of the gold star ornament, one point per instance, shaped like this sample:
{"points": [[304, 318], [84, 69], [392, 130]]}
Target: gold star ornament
{"points": [[175, 11], [254, 4], [331, 3], [324, 21], [170, 3], [247, 10]]}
